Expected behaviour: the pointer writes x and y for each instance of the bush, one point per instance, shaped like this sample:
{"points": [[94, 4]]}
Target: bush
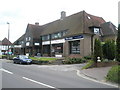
{"points": [[97, 50], [87, 57], [114, 74], [90, 64], [109, 49], [118, 45], [4, 56], [73, 60], [12, 56]]}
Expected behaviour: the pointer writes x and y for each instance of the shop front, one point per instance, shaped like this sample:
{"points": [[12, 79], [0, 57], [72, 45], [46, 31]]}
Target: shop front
{"points": [[73, 46], [53, 48]]}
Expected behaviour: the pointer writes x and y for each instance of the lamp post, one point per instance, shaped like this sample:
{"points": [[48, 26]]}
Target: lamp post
{"points": [[8, 38]]}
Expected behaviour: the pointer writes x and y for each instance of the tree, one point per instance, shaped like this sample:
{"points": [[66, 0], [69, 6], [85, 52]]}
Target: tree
{"points": [[97, 50], [118, 45], [109, 49]]}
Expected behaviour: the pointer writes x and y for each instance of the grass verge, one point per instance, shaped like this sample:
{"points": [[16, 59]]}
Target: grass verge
{"points": [[114, 74], [43, 58], [90, 64]]}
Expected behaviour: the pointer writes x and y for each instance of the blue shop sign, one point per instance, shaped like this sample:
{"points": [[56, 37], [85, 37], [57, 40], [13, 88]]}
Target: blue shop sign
{"points": [[74, 37]]}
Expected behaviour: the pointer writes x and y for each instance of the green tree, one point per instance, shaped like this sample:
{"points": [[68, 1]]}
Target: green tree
{"points": [[109, 49], [118, 45], [97, 50]]}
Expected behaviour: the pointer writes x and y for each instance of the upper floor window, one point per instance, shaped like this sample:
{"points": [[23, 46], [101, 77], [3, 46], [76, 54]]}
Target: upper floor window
{"points": [[56, 35], [64, 33], [97, 31], [46, 37], [29, 38], [59, 34], [26, 39]]}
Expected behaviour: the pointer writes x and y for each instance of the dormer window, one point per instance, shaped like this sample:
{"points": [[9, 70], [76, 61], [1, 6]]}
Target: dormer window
{"points": [[96, 30], [88, 17]]}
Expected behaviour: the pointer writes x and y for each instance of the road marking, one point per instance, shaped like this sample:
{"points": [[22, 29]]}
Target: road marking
{"points": [[85, 77], [39, 83], [6, 71]]}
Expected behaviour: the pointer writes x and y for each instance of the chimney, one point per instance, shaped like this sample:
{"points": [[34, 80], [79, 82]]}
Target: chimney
{"points": [[63, 15], [37, 23]]}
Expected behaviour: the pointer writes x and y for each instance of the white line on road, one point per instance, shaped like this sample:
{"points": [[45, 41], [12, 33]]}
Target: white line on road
{"points": [[78, 73], [6, 71], [39, 83]]}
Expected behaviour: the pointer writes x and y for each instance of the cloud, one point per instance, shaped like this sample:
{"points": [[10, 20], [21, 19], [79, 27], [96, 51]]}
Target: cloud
{"points": [[21, 12]]}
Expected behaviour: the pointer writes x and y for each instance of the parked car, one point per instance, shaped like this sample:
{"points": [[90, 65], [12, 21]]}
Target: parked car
{"points": [[22, 59]]}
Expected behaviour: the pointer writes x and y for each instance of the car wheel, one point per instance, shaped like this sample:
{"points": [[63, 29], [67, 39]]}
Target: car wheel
{"points": [[20, 62], [28, 63]]}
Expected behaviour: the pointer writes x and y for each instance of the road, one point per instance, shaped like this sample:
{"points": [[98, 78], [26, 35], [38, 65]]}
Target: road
{"points": [[44, 76]]}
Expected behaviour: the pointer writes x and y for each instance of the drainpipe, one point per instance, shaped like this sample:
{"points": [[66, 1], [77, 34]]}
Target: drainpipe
{"points": [[50, 46], [41, 46], [92, 41]]}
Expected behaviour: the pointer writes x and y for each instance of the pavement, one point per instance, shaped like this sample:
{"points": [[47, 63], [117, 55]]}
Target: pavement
{"points": [[96, 73]]}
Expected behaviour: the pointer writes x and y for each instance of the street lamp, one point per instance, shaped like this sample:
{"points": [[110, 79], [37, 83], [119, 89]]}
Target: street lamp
{"points": [[8, 37]]}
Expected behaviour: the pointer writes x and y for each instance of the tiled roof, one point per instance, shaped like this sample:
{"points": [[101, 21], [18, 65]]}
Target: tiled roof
{"points": [[34, 30], [5, 41], [108, 29], [76, 24], [19, 39]]}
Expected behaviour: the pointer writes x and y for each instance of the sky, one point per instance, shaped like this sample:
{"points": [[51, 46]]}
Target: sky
{"points": [[21, 12]]}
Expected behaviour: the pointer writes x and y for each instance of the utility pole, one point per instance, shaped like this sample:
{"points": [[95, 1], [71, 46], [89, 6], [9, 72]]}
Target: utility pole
{"points": [[8, 38]]}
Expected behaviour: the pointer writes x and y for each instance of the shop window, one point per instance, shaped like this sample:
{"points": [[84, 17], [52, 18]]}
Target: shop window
{"points": [[58, 48], [46, 49], [74, 47]]}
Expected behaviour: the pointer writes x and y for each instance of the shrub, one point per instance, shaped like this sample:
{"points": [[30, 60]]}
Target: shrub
{"points": [[90, 64], [97, 50], [109, 49], [118, 44], [114, 74], [73, 60], [87, 57], [4, 56], [11, 57]]}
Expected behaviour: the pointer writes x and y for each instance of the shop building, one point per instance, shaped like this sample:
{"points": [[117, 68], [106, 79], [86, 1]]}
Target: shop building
{"points": [[74, 35], [69, 36]]}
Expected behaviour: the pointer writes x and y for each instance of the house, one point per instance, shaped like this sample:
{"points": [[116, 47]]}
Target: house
{"points": [[29, 43], [69, 36], [5, 44], [32, 39], [18, 47]]}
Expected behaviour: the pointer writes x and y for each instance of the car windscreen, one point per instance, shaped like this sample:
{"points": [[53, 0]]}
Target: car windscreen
{"points": [[23, 57]]}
